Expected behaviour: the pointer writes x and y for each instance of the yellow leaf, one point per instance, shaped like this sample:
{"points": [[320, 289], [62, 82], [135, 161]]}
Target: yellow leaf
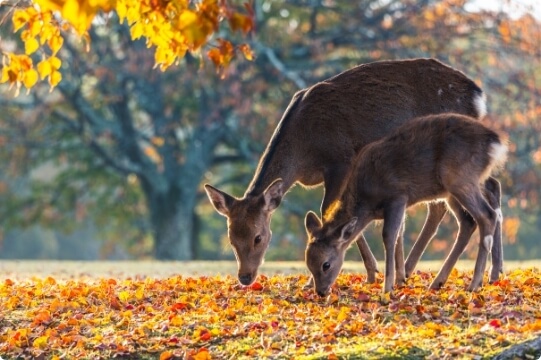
{"points": [[34, 28], [30, 78], [47, 31], [176, 320], [40, 341], [55, 62], [44, 68], [79, 14], [136, 31], [55, 78], [121, 10], [187, 18], [163, 57], [20, 18], [55, 43], [140, 293], [50, 5], [124, 296], [5, 74], [26, 62], [194, 32], [30, 46]]}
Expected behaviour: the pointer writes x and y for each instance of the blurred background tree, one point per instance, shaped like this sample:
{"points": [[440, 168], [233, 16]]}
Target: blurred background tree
{"points": [[111, 163]]}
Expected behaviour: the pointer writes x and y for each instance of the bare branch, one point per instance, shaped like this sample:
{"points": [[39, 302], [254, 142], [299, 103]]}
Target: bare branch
{"points": [[280, 66], [110, 161], [78, 127]]}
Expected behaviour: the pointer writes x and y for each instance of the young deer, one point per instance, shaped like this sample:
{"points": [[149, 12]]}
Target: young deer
{"points": [[323, 128], [446, 156]]}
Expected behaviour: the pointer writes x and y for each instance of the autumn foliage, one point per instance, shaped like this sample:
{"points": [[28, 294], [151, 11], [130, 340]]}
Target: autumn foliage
{"points": [[171, 28], [214, 317]]}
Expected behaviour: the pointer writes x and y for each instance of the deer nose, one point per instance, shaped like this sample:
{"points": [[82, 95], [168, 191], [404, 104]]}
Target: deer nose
{"points": [[322, 293], [245, 279]]}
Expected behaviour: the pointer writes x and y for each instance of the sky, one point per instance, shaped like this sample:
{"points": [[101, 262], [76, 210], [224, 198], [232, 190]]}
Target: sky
{"points": [[515, 8]]}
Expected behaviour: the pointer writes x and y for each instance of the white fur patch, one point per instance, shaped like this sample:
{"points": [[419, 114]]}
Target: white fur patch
{"points": [[440, 91], [498, 153], [499, 215], [487, 242], [480, 103]]}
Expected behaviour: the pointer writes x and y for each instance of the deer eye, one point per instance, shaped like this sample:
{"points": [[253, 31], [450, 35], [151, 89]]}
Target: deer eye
{"points": [[257, 239], [326, 266]]}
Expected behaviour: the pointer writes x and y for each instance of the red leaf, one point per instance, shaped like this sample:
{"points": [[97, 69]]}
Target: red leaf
{"points": [[256, 286], [495, 323], [179, 306]]}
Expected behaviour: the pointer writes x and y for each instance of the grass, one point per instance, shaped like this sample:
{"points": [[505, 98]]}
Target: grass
{"points": [[21, 269]]}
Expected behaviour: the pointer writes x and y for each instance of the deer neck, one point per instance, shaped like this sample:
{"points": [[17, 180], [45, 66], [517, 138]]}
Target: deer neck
{"points": [[279, 160], [272, 166]]}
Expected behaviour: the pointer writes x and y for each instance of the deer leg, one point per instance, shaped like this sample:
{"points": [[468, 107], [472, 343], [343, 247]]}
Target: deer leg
{"points": [[393, 219], [369, 260], [486, 218], [466, 227], [436, 211], [399, 257], [493, 195], [333, 182]]}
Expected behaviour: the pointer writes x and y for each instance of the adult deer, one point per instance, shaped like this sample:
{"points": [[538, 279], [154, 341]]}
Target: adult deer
{"points": [[323, 128], [445, 156]]}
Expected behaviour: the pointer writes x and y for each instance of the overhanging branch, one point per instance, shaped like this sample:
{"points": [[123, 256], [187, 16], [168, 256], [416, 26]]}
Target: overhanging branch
{"points": [[280, 66]]}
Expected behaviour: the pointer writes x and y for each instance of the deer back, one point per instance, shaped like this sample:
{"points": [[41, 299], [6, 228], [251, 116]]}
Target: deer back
{"points": [[422, 159]]}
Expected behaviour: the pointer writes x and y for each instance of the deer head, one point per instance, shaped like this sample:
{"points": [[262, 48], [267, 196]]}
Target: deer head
{"points": [[248, 225], [326, 249]]}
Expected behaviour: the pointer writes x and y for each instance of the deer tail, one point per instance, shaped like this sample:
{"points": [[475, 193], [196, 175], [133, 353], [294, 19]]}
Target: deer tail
{"points": [[498, 152]]}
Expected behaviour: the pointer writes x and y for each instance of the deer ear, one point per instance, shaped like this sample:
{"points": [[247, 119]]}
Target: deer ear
{"points": [[311, 222], [221, 201], [273, 195], [348, 231]]}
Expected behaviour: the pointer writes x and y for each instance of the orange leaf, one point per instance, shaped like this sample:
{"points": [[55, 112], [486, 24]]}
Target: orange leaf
{"points": [[203, 354], [166, 355], [246, 51]]}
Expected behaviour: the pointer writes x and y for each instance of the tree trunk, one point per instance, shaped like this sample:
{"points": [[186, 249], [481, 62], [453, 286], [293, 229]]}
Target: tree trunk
{"points": [[172, 227]]}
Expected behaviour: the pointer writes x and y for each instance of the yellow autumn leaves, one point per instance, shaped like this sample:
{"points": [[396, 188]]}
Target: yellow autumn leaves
{"points": [[172, 28], [78, 13], [38, 28]]}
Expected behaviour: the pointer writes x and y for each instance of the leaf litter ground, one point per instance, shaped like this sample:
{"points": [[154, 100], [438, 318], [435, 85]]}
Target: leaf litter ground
{"points": [[213, 317]]}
